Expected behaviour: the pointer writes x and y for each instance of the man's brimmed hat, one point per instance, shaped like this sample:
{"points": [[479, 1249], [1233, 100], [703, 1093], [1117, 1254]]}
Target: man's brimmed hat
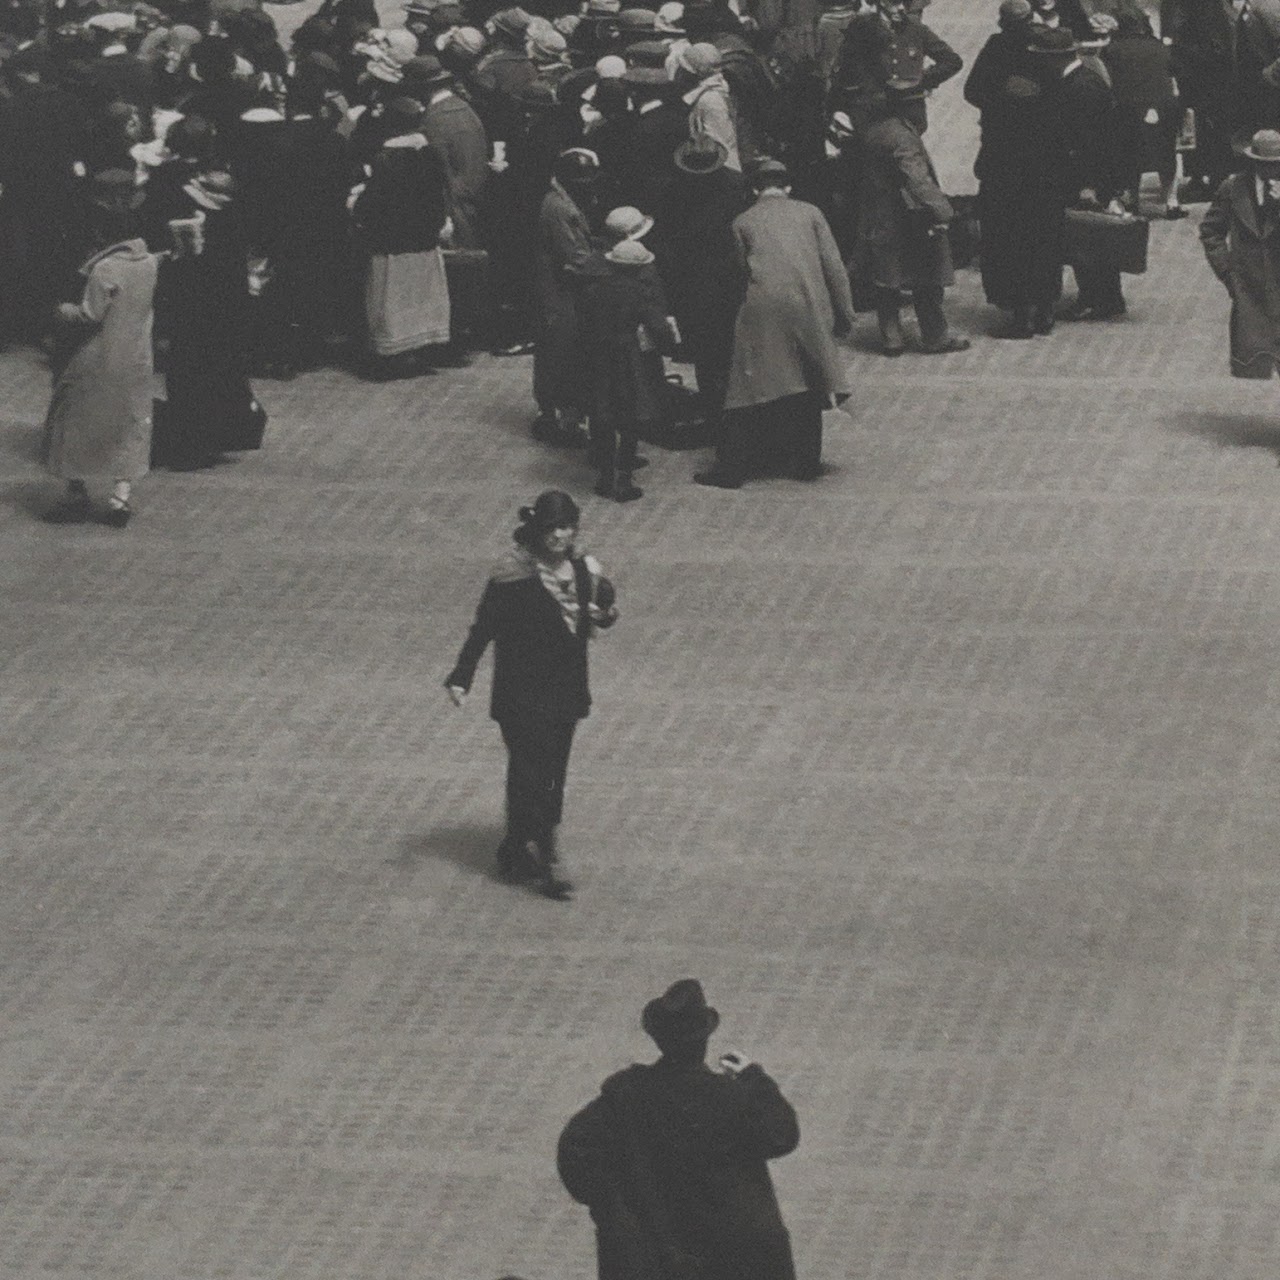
{"points": [[680, 1015], [1264, 146], [513, 22]]}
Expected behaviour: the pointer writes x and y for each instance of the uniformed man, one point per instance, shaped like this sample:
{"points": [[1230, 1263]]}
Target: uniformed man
{"points": [[891, 44]]}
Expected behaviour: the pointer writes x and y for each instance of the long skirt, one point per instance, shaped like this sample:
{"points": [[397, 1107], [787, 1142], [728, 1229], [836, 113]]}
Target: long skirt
{"points": [[406, 301]]}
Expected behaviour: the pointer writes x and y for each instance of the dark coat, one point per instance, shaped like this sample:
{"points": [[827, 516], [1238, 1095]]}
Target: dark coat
{"points": [[1243, 248], [649, 170], [1141, 73], [1202, 44], [900, 209], [302, 193], [402, 208], [563, 250], [458, 136], [796, 298], [1024, 188], [497, 82], [701, 258], [626, 383], [539, 665], [874, 52], [672, 1162]]}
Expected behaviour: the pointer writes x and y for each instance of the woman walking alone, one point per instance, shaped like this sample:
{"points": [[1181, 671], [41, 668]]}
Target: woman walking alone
{"points": [[98, 428], [540, 608]]}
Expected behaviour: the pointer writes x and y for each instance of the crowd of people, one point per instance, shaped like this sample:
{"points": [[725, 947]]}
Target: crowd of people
{"points": [[722, 182]]}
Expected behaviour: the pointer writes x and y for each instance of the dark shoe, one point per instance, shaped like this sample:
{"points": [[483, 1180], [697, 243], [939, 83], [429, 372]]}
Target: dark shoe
{"points": [[517, 863], [809, 474], [716, 479], [555, 887], [1018, 327], [117, 515], [1077, 312], [1043, 321], [71, 511], [945, 346]]}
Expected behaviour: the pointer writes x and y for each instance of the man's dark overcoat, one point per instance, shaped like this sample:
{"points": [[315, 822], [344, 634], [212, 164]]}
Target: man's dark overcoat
{"points": [[1242, 243], [563, 249], [456, 132], [672, 1162], [899, 201]]}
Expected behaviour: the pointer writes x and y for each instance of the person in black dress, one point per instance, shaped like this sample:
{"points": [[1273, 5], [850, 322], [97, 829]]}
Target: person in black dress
{"points": [[204, 302], [540, 608]]}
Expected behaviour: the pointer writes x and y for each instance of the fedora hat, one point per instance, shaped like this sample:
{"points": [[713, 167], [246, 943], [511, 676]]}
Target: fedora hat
{"points": [[680, 1014], [1264, 146]]}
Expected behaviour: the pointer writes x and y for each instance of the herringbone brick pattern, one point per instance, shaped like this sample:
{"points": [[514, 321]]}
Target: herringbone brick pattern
{"points": [[951, 776]]}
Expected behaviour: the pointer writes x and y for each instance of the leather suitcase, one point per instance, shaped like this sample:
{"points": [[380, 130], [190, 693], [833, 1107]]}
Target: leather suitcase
{"points": [[1096, 238]]}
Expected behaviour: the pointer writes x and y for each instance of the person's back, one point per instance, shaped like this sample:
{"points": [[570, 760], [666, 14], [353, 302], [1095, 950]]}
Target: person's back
{"points": [[671, 1158]]}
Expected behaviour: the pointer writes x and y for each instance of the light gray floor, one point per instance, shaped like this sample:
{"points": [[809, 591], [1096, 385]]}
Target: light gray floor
{"points": [[951, 776]]}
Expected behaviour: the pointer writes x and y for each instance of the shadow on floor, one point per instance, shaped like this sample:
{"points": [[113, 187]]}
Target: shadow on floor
{"points": [[31, 497], [471, 848], [20, 441], [1232, 431]]}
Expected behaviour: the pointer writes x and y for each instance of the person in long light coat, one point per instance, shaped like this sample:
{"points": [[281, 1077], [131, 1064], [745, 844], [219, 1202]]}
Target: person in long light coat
{"points": [[98, 428], [787, 366]]}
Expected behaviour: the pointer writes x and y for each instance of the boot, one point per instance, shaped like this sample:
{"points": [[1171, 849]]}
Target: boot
{"points": [[517, 863]]}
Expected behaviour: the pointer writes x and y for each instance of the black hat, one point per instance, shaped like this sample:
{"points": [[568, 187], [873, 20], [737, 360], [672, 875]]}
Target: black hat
{"points": [[551, 509], [577, 165], [768, 172], [681, 1014], [404, 113]]}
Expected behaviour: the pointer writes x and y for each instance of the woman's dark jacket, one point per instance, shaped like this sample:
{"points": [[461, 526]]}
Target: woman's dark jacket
{"points": [[402, 208], [539, 665]]}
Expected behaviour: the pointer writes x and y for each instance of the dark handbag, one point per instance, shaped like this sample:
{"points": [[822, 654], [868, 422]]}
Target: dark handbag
{"points": [[1095, 238]]}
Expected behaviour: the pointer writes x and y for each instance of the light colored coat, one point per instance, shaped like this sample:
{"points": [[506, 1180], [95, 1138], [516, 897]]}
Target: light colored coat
{"points": [[99, 421], [796, 300], [1245, 255], [712, 115]]}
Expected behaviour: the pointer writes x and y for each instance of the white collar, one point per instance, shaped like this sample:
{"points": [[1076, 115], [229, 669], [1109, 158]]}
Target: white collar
{"points": [[439, 96]]}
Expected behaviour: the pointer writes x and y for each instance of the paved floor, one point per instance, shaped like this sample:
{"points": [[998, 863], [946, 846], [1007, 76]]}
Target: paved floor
{"points": [[951, 776]]}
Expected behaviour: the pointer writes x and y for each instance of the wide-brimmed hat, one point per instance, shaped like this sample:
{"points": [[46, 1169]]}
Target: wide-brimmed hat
{"points": [[512, 22], [670, 18], [649, 53], [391, 55], [1052, 40], [629, 253], [627, 223], [577, 165], [1264, 146], [425, 70], [634, 20], [546, 43], [700, 60], [703, 154], [680, 1015]]}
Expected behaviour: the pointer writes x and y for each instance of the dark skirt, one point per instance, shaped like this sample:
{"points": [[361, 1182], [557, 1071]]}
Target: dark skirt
{"points": [[207, 411], [1022, 243]]}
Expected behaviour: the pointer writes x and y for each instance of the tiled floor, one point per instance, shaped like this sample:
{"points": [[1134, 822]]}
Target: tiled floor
{"points": [[951, 776]]}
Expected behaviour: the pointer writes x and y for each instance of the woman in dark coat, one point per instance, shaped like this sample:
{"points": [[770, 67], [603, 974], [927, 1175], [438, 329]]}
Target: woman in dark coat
{"points": [[210, 407], [399, 218], [1024, 187], [701, 264], [540, 608]]}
